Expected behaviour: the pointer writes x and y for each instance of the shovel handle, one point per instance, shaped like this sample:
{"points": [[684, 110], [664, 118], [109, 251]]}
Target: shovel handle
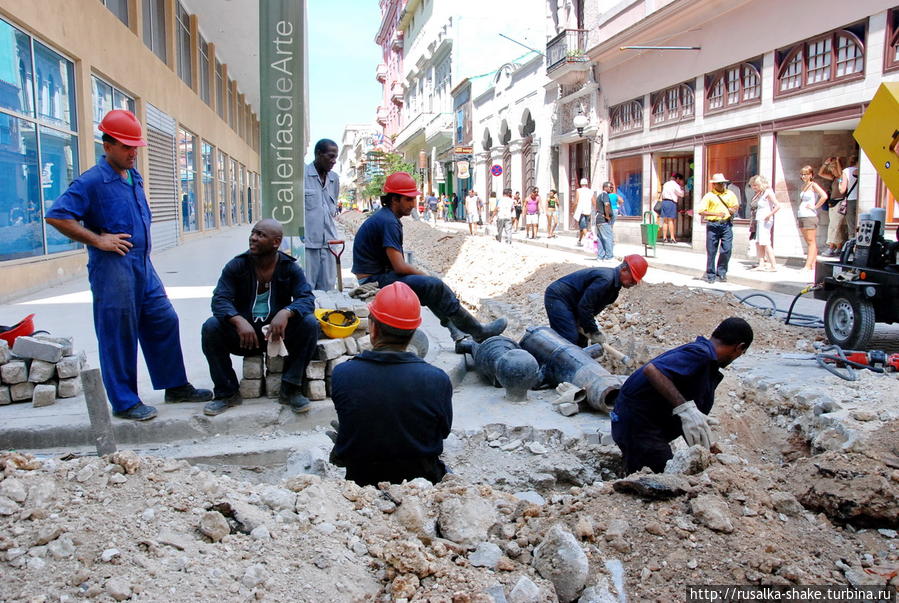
{"points": [[332, 244]]}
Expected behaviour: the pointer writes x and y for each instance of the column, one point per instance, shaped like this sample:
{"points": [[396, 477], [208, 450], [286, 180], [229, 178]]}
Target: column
{"points": [[496, 158], [564, 188]]}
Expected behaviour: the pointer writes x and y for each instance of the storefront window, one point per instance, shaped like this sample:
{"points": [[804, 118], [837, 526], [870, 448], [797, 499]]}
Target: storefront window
{"points": [[208, 192], [221, 163], [738, 161], [106, 98], [187, 149], [59, 166], [55, 87], [235, 217], [20, 206], [627, 176], [15, 70]]}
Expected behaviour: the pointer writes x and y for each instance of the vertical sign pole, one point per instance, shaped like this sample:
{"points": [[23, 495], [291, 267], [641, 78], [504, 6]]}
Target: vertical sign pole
{"points": [[282, 77]]}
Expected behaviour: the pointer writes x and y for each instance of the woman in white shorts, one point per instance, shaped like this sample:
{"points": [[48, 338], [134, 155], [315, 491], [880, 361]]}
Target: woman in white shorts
{"points": [[766, 206]]}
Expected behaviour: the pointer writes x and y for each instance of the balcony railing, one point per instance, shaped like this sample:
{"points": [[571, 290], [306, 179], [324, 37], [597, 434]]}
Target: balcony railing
{"points": [[381, 73], [382, 115], [397, 93], [567, 47]]}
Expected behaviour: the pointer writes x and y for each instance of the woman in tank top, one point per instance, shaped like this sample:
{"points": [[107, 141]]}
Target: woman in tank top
{"points": [[552, 202], [811, 197]]}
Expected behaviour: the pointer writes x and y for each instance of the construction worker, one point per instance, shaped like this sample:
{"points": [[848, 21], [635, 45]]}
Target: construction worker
{"points": [[573, 301], [259, 287], [378, 258], [130, 303], [672, 395], [394, 409]]}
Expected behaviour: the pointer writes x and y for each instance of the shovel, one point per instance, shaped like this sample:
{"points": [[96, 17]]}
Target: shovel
{"points": [[340, 245]]}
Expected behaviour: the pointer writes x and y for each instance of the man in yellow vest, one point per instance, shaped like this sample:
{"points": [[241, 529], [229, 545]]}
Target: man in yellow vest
{"points": [[718, 207]]}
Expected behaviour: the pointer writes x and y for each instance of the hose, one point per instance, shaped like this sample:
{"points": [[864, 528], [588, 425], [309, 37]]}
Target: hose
{"points": [[799, 320], [838, 356]]}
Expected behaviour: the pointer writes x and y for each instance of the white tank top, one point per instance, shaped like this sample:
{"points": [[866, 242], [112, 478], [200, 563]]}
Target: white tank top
{"points": [[807, 200]]}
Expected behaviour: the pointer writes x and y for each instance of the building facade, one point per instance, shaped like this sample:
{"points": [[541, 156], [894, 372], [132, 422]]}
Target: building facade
{"points": [[356, 144], [62, 70], [389, 71]]}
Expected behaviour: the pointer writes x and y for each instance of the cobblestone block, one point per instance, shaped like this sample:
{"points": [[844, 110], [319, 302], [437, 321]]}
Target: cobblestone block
{"points": [[328, 349], [5, 353], [275, 364], [251, 388], [68, 388], [21, 391], [4, 395], [252, 367], [364, 343], [335, 362], [363, 325], [67, 343], [273, 385], [30, 347], [15, 371], [315, 369], [568, 409], [361, 310], [43, 395], [68, 367], [315, 390], [41, 371], [352, 348], [82, 359]]}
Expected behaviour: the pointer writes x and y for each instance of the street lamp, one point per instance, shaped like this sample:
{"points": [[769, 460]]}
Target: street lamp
{"points": [[422, 166], [580, 122]]}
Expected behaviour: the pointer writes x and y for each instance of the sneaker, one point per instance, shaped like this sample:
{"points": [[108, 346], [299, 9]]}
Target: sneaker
{"points": [[290, 396], [709, 278], [217, 407], [138, 412], [187, 393], [723, 279]]}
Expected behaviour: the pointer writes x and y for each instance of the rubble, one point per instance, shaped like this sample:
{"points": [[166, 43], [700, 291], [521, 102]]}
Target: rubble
{"points": [[40, 370]]}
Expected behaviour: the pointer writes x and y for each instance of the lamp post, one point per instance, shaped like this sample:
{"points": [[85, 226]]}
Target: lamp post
{"points": [[422, 167]]}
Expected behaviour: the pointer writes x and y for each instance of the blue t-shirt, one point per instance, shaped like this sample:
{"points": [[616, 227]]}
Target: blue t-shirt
{"points": [[381, 231], [694, 370]]}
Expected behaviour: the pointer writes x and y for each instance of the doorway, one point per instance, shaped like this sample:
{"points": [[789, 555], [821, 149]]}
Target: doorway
{"points": [[578, 167], [680, 164]]}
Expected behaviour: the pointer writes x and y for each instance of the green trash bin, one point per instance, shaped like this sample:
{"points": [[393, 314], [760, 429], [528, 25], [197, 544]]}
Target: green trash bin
{"points": [[649, 232]]}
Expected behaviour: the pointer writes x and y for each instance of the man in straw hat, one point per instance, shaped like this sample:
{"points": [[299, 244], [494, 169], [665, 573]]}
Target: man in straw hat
{"points": [[718, 207]]}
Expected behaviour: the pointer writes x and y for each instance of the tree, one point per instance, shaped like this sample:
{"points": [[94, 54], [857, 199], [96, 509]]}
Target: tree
{"points": [[388, 163]]}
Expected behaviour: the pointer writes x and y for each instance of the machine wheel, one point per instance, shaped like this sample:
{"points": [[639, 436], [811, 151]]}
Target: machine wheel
{"points": [[848, 320]]}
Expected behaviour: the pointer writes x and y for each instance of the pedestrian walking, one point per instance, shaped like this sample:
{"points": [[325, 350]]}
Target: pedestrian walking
{"points": [[106, 209], [505, 209], [603, 219], [718, 207], [472, 211], [516, 217], [552, 213], [532, 211], [766, 206], [586, 201], [320, 202]]}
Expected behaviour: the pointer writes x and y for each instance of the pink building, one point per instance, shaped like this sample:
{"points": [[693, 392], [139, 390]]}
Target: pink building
{"points": [[389, 71]]}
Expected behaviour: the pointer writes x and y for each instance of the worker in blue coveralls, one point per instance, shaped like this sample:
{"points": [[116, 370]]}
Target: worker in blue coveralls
{"points": [[130, 303], [672, 395], [378, 258], [573, 301], [322, 187], [394, 409]]}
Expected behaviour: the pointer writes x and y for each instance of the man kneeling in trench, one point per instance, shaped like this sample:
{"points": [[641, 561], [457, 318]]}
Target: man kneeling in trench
{"points": [[672, 395], [394, 409]]}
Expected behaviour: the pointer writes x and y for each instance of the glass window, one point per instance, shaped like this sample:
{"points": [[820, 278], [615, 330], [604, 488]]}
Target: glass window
{"points": [[229, 104], [739, 161], [59, 166], [627, 176], [187, 149], [221, 197], [204, 70], [154, 27], [119, 8], [106, 98], [208, 188], [15, 70], [219, 90], [734, 86], [673, 104], [185, 69], [822, 60], [242, 184], [21, 226], [626, 117], [55, 86], [232, 174]]}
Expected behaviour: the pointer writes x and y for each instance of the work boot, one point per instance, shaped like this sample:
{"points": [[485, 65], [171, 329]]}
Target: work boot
{"points": [[290, 396], [187, 393], [455, 333], [138, 412], [217, 407], [479, 332]]}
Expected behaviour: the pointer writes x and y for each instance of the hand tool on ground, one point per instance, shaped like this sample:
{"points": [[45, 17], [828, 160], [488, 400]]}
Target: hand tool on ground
{"points": [[833, 358], [331, 245], [617, 355]]}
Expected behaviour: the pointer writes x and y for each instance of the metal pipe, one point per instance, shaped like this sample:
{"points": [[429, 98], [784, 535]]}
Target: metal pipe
{"points": [[564, 361], [501, 363], [661, 48]]}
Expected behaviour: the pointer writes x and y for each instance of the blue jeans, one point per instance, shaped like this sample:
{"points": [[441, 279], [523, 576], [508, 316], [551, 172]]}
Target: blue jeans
{"points": [[718, 233], [605, 240]]}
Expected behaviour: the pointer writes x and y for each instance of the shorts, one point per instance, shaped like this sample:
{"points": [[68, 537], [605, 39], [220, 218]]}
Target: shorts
{"points": [[669, 209], [808, 223], [472, 217], [583, 222], [517, 212], [533, 219]]}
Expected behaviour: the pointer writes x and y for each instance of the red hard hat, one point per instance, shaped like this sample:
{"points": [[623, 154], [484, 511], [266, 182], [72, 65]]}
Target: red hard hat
{"points": [[637, 265], [22, 328], [401, 183], [124, 127], [396, 305]]}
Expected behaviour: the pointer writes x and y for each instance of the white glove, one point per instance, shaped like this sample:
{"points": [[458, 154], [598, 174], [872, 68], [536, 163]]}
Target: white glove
{"points": [[695, 424]]}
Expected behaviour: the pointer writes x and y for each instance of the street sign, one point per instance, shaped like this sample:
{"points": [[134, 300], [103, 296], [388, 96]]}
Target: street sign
{"points": [[463, 150], [462, 170], [497, 170]]}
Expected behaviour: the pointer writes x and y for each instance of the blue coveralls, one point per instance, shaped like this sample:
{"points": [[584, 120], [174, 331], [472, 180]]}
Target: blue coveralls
{"points": [[130, 303], [642, 423], [574, 300]]}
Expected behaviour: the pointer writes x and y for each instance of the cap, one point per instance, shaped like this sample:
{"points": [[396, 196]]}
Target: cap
{"points": [[583, 181]]}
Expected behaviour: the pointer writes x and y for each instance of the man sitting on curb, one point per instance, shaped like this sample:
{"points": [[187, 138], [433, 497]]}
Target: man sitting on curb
{"points": [[259, 287], [394, 409], [573, 301], [671, 395], [378, 257]]}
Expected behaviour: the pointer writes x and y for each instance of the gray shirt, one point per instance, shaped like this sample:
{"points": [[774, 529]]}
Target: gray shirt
{"points": [[321, 207]]}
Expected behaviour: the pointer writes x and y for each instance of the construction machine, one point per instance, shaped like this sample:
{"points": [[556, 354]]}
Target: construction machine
{"points": [[862, 287]]}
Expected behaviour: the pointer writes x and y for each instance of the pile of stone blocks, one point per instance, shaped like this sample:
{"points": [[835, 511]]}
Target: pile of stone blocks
{"points": [[39, 370], [262, 375]]}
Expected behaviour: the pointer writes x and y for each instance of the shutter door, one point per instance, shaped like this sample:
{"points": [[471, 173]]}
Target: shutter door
{"points": [[162, 183]]}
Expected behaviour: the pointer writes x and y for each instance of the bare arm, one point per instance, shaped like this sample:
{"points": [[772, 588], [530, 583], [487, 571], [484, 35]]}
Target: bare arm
{"points": [[399, 263], [663, 385], [775, 204], [822, 195], [106, 241]]}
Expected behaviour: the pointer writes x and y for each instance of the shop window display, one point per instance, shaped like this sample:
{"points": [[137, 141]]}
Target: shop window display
{"points": [[738, 160], [627, 176]]}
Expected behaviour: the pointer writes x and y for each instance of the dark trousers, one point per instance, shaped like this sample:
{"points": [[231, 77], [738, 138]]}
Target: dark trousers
{"points": [[641, 446], [369, 473], [431, 291], [219, 339], [562, 314], [718, 233]]}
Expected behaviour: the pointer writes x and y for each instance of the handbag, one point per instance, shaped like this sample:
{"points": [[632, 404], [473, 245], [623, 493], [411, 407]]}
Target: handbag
{"points": [[841, 201], [657, 207]]}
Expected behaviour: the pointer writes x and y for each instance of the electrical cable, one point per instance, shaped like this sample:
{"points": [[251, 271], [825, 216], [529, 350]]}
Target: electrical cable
{"points": [[849, 373], [800, 320]]}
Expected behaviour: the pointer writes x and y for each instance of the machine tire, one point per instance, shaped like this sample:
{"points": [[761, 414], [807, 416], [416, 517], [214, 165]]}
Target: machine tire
{"points": [[848, 320]]}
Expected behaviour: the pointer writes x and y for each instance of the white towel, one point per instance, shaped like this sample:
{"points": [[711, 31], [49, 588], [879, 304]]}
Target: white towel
{"points": [[274, 348]]}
